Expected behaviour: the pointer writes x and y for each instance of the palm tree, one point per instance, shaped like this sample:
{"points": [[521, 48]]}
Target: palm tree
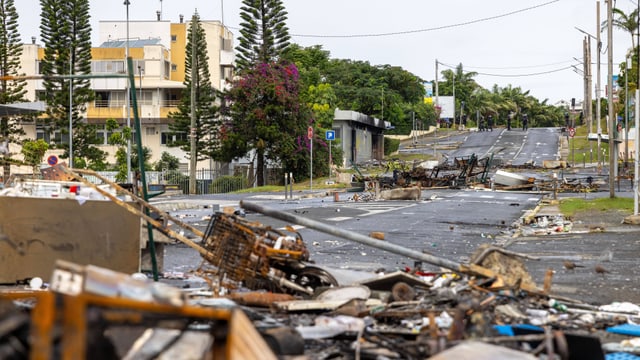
{"points": [[628, 23]]}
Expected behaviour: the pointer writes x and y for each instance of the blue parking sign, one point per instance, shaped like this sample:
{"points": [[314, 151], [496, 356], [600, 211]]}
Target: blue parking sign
{"points": [[330, 135]]}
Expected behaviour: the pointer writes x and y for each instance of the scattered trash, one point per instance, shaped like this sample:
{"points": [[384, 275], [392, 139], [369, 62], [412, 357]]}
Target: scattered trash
{"points": [[266, 299]]}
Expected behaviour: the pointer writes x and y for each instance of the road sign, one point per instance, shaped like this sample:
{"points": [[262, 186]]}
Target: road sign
{"points": [[52, 160], [330, 135], [572, 132], [310, 132]]}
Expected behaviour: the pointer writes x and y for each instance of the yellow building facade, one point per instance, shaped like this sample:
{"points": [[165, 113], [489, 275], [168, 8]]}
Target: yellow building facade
{"points": [[157, 49]]}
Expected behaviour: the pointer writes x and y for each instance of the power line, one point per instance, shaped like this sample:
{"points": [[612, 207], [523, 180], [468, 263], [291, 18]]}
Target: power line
{"points": [[519, 67], [514, 75], [430, 29], [526, 75]]}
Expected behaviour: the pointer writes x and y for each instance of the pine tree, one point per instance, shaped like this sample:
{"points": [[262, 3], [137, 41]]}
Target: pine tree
{"points": [[206, 110], [263, 33], [66, 33], [266, 112], [11, 91]]}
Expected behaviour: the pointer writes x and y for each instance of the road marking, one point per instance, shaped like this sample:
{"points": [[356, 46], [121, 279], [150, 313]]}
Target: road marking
{"points": [[376, 207], [339, 218]]}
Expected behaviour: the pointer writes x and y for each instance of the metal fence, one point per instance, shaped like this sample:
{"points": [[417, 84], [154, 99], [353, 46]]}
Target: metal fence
{"points": [[208, 181]]}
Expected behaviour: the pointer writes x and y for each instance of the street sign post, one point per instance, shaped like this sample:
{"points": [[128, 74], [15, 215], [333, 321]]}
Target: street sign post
{"points": [[572, 133], [330, 135]]}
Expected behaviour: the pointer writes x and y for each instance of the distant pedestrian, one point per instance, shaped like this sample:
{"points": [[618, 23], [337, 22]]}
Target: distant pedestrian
{"points": [[490, 123], [509, 118], [525, 122]]}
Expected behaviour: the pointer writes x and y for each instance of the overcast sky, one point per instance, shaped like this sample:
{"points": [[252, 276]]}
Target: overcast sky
{"points": [[502, 40]]}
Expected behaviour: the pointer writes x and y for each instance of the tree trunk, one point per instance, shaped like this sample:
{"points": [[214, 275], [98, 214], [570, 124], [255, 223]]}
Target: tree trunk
{"points": [[260, 168]]}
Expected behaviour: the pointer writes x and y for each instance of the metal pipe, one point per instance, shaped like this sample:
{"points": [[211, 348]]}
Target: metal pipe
{"points": [[350, 235]]}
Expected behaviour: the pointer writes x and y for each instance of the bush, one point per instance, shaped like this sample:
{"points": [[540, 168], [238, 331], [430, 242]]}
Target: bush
{"points": [[391, 146], [225, 184]]}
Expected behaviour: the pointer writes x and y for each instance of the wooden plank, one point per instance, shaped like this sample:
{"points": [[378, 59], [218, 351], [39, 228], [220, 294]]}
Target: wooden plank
{"points": [[244, 341]]}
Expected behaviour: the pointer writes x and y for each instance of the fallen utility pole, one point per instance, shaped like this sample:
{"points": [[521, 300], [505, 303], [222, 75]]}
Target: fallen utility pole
{"points": [[470, 269]]}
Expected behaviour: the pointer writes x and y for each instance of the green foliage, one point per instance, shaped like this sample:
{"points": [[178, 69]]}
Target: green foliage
{"points": [[33, 152], [225, 184], [264, 35], [391, 146], [206, 112], [146, 156], [266, 115], [167, 162], [11, 91], [118, 137]]}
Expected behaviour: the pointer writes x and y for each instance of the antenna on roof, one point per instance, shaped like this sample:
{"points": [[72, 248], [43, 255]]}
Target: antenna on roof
{"points": [[160, 12]]}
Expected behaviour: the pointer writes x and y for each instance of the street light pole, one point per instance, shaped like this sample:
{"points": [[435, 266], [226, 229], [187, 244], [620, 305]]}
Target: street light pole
{"points": [[598, 116], [612, 119], [626, 112], [636, 160], [71, 108], [127, 103]]}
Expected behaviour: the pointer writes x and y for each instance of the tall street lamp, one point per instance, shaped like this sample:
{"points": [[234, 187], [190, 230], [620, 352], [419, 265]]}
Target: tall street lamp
{"points": [[128, 105], [626, 111], [71, 107], [613, 163]]}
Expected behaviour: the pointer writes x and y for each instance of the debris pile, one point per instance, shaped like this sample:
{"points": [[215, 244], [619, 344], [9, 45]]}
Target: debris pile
{"points": [[265, 299]]}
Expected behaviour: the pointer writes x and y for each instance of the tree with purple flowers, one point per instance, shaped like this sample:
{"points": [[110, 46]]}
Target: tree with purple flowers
{"points": [[266, 115]]}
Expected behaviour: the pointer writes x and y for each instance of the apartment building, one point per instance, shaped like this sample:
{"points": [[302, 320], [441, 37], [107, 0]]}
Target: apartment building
{"points": [[157, 49]]}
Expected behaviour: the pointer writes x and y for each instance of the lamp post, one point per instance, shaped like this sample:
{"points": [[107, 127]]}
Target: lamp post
{"points": [[626, 112], [127, 104], [636, 162], [71, 108], [613, 154]]}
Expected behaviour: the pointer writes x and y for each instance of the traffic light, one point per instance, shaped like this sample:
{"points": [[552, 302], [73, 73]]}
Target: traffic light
{"points": [[573, 103]]}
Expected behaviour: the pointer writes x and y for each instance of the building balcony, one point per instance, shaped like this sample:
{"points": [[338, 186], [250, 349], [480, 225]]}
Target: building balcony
{"points": [[226, 58], [104, 109]]}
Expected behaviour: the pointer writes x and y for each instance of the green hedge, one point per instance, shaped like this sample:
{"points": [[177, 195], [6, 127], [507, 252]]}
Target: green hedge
{"points": [[391, 146]]}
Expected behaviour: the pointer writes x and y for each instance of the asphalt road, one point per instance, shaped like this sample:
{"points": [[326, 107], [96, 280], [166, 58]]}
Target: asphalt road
{"points": [[451, 224], [509, 147]]}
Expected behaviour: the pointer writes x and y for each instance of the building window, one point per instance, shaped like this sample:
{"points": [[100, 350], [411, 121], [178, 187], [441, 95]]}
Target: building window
{"points": [[174, 67], [168, 138], [108, 67], [174, 38], [150, 131], [102, 99], [102, 134], [55, 137]]}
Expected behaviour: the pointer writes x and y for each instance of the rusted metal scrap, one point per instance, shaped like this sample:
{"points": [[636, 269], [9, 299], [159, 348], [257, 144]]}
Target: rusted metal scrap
{"points": [[244, 253], [463, 171], [468, 269]]}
